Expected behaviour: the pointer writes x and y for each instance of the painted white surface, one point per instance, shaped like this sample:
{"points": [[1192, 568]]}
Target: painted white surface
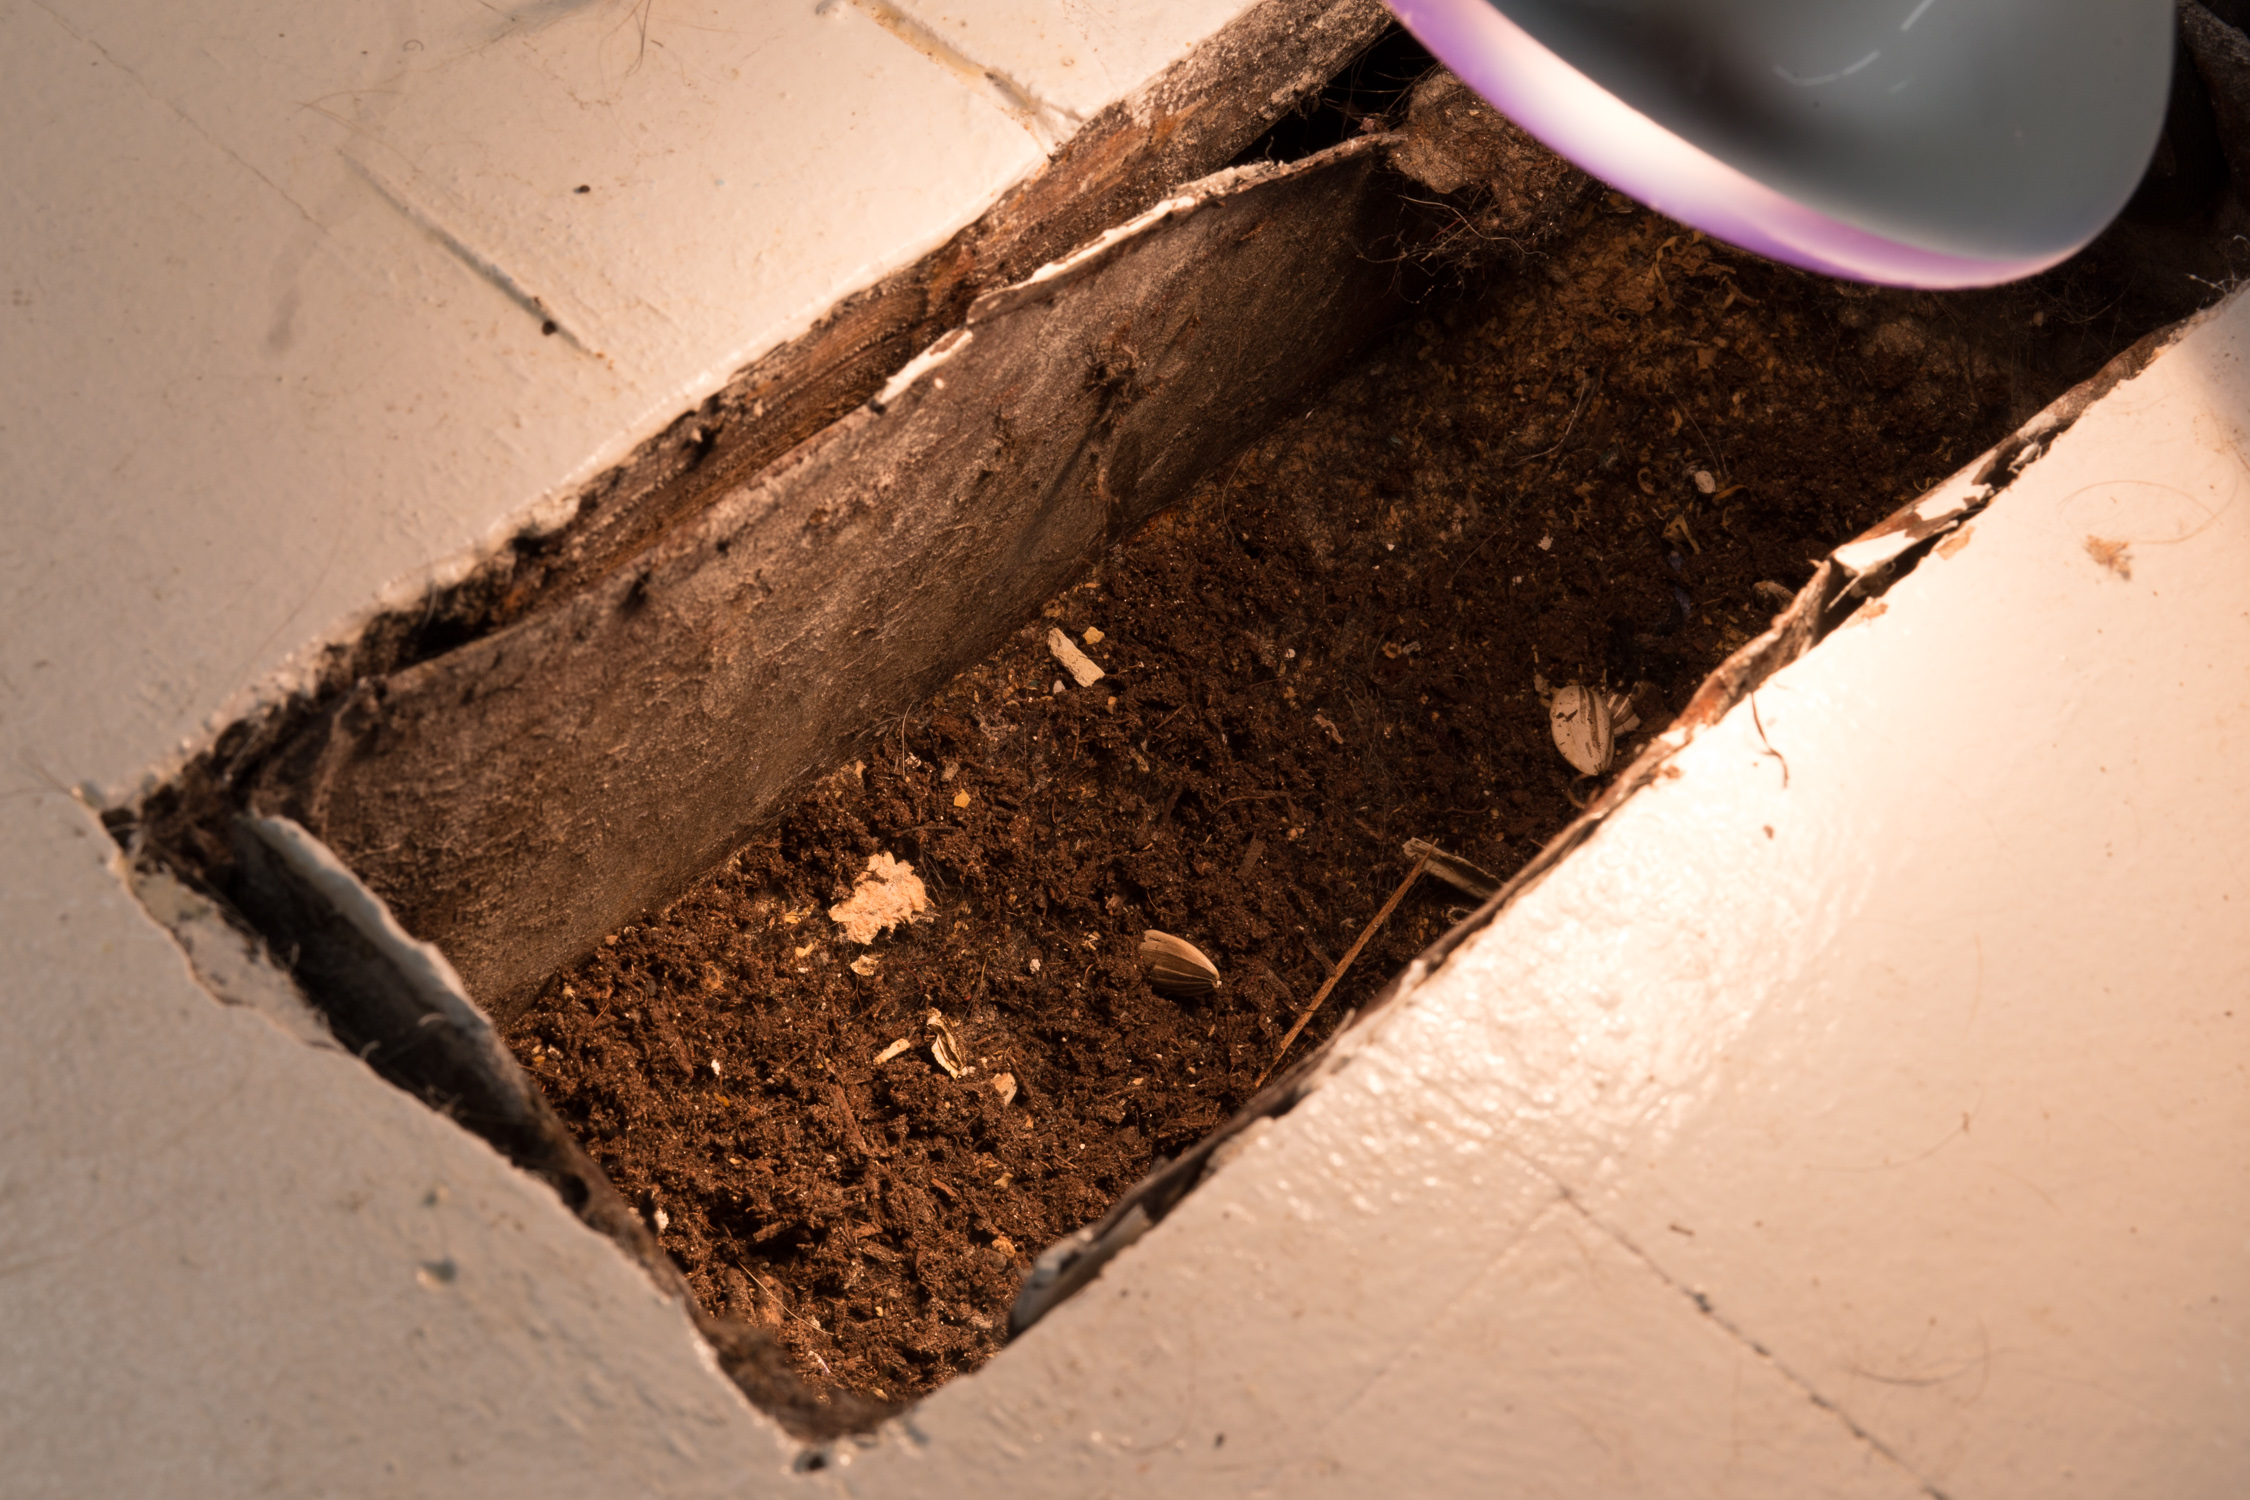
{"points": [[1130, 38], [1903, 1151], [1028, 49], [1906, 1148], [276, 283], [232, 1263]]}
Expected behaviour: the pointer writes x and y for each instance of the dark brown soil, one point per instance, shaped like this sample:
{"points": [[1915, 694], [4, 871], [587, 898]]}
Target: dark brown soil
{"points": [[1584, 470]]}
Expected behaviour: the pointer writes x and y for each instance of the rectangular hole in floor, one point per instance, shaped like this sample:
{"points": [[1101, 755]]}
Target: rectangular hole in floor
{"points": [[1330, 649], [1604, 460]]}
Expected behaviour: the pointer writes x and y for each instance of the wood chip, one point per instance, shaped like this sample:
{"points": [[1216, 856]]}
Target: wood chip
{"points": [[1176, 966], [1005, 1086], [902, 1045], [1076, 662], [888, 893]]}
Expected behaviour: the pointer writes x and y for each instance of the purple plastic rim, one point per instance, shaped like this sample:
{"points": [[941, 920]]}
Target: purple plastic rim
{"points": [[1582, 121]]}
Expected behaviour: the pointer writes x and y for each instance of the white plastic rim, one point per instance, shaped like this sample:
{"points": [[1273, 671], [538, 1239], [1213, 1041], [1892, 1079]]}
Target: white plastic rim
{"points": [[1585, 123]]}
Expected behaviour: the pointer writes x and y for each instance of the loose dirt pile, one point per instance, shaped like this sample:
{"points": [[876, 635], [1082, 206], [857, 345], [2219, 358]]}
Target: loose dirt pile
{"points": [[1607, 465]]}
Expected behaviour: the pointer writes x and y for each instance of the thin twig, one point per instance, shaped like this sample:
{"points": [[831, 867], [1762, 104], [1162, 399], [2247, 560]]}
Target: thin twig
{"points": [[1226, 516], [1338, 972]]}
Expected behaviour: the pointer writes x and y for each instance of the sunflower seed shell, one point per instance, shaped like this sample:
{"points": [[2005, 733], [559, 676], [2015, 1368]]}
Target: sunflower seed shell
{"points": [[1175, 966], [1579, 719]]}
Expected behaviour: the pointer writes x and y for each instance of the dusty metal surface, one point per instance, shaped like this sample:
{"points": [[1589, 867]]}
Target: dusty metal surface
{"points": [[525, 793]]}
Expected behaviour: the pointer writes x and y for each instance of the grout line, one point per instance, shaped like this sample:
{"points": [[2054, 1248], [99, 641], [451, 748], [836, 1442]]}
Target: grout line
{"points": [[1413, 1343], [1046, 123], [486, 267], [1704, 1305]]}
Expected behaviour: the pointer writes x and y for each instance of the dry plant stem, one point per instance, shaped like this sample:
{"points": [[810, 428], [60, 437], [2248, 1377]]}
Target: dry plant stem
{"points": [[1312, 1007]]}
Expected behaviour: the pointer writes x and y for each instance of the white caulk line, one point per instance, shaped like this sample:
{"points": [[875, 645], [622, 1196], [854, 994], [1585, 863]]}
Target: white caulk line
{"points": [[469, 256], [922, 364]]}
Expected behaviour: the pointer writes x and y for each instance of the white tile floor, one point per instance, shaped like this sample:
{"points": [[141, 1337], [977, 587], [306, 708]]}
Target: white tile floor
{"points": [[1902, 1149], [275, 290]]}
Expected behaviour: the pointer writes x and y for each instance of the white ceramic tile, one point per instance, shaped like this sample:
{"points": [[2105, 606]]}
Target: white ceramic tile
{"points": [[1138, 38], [1934, 1094], [1904, 1145], [1231, 1342], [1588, 1374], [274, 291]]}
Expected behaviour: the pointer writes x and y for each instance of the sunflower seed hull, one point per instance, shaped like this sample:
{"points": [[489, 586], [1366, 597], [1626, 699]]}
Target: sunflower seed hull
{"points": [[1175, 966], [1580, 722]]}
